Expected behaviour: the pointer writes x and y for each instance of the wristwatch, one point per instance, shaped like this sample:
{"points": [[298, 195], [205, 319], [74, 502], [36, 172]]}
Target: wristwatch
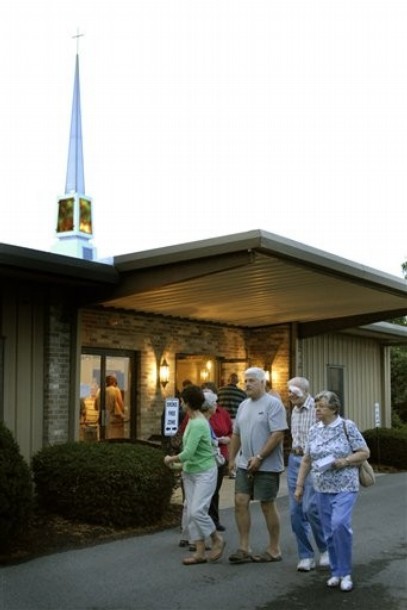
{"points": [[259, 457]]}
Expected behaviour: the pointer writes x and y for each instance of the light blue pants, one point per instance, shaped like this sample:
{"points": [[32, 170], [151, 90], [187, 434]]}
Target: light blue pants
{"points": [[199, 489], [304, 515], [336, 518]]}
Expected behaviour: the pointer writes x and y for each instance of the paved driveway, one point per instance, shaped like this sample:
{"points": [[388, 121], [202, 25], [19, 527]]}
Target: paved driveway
{"points": [[146, 573]]}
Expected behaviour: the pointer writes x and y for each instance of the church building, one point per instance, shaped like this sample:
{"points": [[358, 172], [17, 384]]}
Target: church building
{"points": [[197, 311]]}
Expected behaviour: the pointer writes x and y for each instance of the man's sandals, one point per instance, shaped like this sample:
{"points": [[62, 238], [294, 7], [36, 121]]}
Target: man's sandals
{"points": [[242, 556], [266, 557]]}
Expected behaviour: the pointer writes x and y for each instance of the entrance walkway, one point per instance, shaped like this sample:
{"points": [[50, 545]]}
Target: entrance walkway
{"points": [[147, 571]]}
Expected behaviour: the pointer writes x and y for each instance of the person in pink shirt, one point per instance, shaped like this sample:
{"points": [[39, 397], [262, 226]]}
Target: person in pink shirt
{"points": [[222, 426]]}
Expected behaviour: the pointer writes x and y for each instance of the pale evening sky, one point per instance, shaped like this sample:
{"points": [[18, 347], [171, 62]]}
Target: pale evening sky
{"points": [[204, 118]]}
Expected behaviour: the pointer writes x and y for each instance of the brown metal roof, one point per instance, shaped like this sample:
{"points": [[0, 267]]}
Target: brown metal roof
{"points": [[257, 279]]}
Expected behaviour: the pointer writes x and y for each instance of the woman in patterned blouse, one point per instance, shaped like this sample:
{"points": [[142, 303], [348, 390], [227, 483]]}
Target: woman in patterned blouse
{"points": [[334, 453]]}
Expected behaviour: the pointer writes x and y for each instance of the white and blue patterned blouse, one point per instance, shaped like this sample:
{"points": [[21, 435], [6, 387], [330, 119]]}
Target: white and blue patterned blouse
{"points": [[330, 440]]}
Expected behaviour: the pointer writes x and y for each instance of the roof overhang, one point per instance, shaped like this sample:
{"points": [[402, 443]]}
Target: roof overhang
{"points": [[385, 333], [256, 279], [85, 280]]}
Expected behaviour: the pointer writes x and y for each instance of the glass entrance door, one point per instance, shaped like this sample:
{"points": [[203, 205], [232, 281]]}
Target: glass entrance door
{"points": [[106, 390]]}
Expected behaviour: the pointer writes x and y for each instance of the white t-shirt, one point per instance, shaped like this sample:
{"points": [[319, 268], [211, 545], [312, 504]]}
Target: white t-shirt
{"points": [[255, 421]]}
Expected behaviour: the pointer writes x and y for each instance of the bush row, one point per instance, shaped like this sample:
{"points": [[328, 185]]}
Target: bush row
{"points": [[16, 490], [388, 446], [120, 484]]}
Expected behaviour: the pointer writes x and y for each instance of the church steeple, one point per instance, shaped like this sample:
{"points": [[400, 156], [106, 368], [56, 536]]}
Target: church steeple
{"points": [[74, 222], [75, 173]]}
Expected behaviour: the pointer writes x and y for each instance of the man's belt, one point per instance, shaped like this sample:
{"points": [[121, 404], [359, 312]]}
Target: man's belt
{"points": [[297, 451]]}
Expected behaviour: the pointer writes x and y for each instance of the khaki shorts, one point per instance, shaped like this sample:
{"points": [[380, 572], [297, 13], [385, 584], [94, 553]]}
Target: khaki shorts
{"points": [[262, 486]]}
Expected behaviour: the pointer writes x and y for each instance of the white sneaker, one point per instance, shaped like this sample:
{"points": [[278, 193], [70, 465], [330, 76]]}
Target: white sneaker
{"points": [[324, 560], [346, 583], [333, 581], [305, 565]]}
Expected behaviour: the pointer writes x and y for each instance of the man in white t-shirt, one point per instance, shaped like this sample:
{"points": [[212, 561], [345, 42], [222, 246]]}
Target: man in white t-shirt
{"points": [[256, 450]]}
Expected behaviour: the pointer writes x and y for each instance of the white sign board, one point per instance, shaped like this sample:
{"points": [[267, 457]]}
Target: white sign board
{"points": [[171, 416], [377, 418]]}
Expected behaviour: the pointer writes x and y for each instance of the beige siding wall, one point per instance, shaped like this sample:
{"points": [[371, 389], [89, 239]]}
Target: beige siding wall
{"points": [[363, 363], [22, 327], [38, 362]]}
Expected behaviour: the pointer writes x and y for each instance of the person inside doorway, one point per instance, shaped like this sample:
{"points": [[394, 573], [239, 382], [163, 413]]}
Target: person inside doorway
{"points": [[114, 408]]}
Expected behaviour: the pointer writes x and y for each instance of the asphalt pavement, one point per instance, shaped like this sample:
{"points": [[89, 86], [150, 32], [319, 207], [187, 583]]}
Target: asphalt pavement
{"points": [[146, 572]]}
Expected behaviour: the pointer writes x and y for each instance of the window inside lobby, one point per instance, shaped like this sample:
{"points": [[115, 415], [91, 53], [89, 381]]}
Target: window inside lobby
{"points": [[197, 368], [335, 382], [107, 409]]}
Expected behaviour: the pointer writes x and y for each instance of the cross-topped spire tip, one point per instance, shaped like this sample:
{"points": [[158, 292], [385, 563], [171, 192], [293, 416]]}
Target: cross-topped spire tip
{"points": [[77, 36]]}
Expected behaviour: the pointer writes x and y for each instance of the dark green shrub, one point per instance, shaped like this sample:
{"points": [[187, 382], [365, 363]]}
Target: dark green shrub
{"points": [[16, 489], [388, 446], [119, 484], [401, 410], [396, 421]]}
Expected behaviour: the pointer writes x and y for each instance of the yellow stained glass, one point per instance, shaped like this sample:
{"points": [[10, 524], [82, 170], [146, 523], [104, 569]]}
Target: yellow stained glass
{"points": [[85, 215], [65, 215]]}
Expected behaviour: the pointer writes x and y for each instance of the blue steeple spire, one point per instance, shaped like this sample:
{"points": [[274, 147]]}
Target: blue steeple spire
{"points": [[75, 174]]}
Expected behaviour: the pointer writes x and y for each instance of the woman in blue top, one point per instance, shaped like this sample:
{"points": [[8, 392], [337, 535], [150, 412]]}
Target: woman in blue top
{"points": [[335, 450], [199, 476]]}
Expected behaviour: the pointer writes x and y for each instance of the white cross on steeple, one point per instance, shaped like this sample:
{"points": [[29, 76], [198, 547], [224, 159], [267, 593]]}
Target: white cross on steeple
{"points": [[77, 36]]}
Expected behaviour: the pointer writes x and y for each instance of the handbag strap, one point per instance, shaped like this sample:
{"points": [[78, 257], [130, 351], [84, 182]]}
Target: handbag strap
{"points": [[345, 429]]}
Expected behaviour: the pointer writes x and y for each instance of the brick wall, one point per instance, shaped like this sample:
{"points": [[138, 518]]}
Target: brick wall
{"points": [[269, 348], [58, 375], [156, 337]]}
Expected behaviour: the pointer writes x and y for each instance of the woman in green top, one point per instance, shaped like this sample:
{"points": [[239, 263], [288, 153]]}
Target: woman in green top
{"points": [[199, 476]]}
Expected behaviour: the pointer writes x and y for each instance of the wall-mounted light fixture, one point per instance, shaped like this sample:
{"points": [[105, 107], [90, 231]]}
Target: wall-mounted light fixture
{"points": [[164, 373], [206, 372]]}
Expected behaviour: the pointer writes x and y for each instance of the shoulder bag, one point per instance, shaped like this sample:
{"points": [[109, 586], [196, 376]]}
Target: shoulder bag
{"points": [[366, 473], [217, 454]]}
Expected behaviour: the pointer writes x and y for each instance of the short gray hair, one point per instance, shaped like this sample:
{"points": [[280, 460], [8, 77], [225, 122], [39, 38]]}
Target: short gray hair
{"points": [[210, 400], [256, 372], [300, 382], [331, 399]]}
